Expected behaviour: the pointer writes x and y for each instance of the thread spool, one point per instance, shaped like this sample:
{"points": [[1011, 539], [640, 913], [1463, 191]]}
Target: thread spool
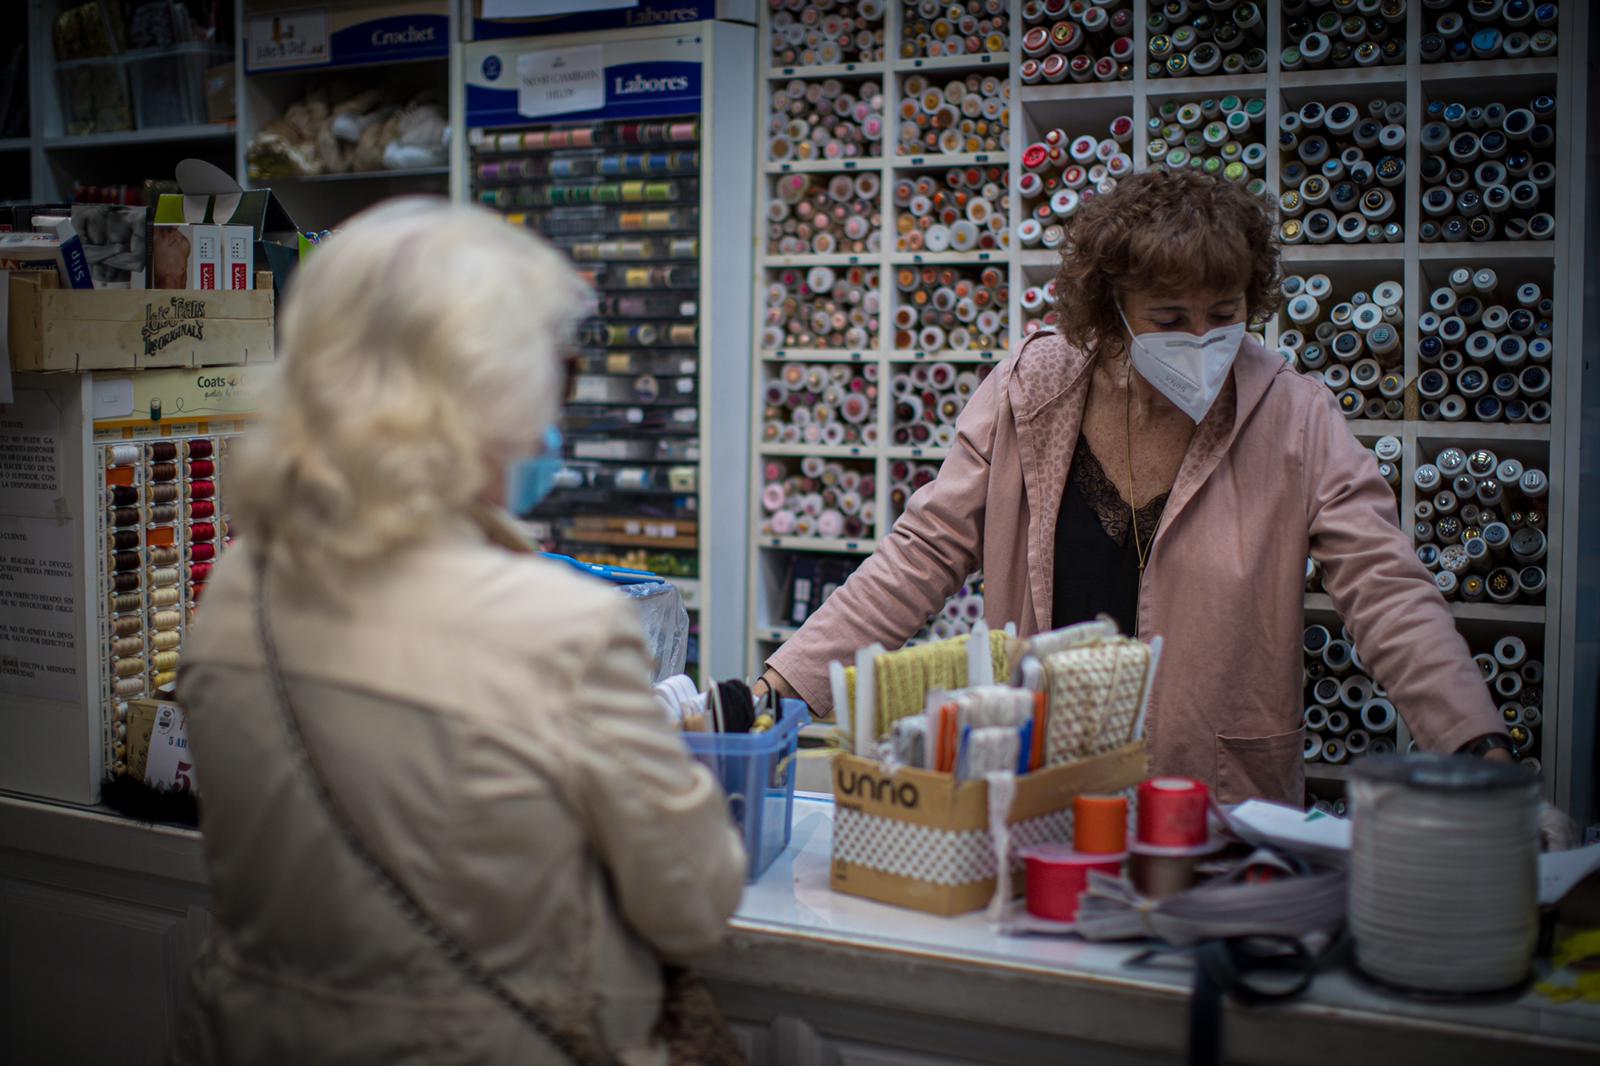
{"points": [[1422, 827]]}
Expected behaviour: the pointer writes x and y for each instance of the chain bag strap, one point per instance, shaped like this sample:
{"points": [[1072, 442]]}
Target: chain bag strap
{"points": [[406, 903]]}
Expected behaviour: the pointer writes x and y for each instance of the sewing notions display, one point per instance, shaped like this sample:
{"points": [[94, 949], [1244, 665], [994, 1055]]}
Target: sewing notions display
{"points": [[812, 497], [963, 115], [824, 214], [820, 404], [841, 311], [962, 209], [825, 120], [826, 32], [943, 308]]}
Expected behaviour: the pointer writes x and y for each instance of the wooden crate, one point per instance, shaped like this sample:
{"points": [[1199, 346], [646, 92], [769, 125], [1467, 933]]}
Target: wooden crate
{"points": [[52, 328]]}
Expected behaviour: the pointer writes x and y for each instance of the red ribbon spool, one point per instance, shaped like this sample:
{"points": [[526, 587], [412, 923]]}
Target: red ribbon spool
{"points": [[1172, 812], [202, 531], [202, 552], [1057, 877], [202, 490], [202, 509], [201, 468]]}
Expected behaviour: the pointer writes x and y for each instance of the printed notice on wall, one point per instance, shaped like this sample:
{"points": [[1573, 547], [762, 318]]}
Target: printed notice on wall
{"points": [[38, 612], [561, 82], [30, 467]]}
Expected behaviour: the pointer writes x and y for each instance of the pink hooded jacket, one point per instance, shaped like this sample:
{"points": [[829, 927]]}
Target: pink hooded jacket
{"points": [[1272, 474]]}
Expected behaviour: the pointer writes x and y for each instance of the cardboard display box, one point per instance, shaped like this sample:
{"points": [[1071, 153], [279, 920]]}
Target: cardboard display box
{"points": [[52, 328], [919, 839]]}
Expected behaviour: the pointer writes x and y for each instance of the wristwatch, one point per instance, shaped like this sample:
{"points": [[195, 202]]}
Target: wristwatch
{"points": [[1487, 743]]}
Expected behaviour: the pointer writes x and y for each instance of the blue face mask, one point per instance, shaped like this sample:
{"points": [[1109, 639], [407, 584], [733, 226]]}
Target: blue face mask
{"points": [[529, 481]]}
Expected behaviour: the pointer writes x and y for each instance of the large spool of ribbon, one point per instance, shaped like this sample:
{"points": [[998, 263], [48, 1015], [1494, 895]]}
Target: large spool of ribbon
{"points": [[1444, 873]]}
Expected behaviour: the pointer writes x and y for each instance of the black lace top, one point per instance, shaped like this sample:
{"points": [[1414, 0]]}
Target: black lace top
{"points": [[1097, 565]]}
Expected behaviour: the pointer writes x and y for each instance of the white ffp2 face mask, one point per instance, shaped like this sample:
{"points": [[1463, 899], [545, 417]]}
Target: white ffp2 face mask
{"points": [[1186, 369]]}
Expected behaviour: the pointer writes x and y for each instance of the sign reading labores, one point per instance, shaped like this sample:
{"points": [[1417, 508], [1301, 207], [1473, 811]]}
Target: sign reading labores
{"points": [[643, 13], [511, 83], [317, 37]]}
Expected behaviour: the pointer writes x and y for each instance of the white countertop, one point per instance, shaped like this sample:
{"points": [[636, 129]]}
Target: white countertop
{"points": [[793, 900]]}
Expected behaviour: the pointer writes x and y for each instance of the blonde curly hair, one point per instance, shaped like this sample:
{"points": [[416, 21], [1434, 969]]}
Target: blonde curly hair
{"points": [[419, 348]]}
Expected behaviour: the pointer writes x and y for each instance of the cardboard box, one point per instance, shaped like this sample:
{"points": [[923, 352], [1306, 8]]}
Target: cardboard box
{"points": [[52, 328], [205, 258], [238, 258], [919, 839]]}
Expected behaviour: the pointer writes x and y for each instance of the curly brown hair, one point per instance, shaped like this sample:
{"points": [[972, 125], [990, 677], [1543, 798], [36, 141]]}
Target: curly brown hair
{"points": [[1164, 231]]}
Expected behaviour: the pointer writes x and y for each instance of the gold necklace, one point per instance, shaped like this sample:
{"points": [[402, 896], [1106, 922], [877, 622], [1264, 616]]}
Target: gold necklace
{"points": [[1133, 492]]}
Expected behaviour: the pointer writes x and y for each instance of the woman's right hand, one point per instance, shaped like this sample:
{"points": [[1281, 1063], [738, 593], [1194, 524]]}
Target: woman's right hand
{"points": [[772, 681]]}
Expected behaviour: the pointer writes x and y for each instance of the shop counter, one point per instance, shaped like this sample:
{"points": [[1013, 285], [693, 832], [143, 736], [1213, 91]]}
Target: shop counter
{"points": [[102, 916], [813, 976]]}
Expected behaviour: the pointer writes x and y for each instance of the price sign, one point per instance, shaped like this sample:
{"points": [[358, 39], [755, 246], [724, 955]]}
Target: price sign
{"points": [[561, 82]]}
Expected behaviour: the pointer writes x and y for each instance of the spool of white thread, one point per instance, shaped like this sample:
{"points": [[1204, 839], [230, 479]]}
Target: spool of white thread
{"points": [[1424, 827]]}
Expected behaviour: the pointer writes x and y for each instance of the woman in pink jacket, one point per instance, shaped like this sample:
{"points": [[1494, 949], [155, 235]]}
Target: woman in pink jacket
{"points": [[1236, 468]]}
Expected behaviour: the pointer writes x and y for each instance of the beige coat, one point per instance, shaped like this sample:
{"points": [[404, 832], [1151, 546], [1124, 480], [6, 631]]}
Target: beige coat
{"points": [[1272, 474], [495, 738]]}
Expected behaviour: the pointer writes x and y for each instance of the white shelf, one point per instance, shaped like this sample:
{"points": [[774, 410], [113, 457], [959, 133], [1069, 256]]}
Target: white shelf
{"points": [[904, 451], [15, 144], [976, 355], [1068, 91], [1487, 251], [1320, 603], [847, 259], [817, 355], [995, 61], [1245, 85], [826, 451], [836, 545], [831, 70], [815, 166], [1362, 252], [1491, 69], [998, 255], [1476, 431], [351, 177], [776, 634], [156, 135], [957, 159], [1328, 771], [1332, 77]]}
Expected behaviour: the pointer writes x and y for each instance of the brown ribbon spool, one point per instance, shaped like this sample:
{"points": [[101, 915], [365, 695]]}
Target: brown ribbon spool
{"points": [[163, 451], [1159, 877]]}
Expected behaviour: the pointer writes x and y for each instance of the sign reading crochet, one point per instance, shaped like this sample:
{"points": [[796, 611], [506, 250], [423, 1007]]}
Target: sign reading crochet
{"points": [[412, 29], [632, 79]]}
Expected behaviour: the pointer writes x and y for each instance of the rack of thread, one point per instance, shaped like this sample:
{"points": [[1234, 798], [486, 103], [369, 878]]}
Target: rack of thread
{"points": [[622, 199], [1432, 138], [626, 192], [162, 525]]}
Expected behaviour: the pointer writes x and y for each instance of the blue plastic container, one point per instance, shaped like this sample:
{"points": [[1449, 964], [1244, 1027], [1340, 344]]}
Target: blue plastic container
{"points": [[757, 771]]}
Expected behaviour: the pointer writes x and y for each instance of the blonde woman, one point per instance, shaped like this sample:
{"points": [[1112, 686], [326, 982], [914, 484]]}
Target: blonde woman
{"points": [[444, 819]]}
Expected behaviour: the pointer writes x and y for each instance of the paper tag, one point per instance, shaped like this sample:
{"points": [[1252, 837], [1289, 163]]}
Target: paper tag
{"points": [[6, 393], [170, 768], [1560, 871], [561, 82], [293, 39]]}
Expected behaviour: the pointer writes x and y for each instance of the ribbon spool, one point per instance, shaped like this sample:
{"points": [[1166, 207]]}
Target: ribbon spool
{"points": [[1172, 813], [827, 32], [967, 27], [1100, 824], [1057, 876], [1422, 826], [964, 114]]}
